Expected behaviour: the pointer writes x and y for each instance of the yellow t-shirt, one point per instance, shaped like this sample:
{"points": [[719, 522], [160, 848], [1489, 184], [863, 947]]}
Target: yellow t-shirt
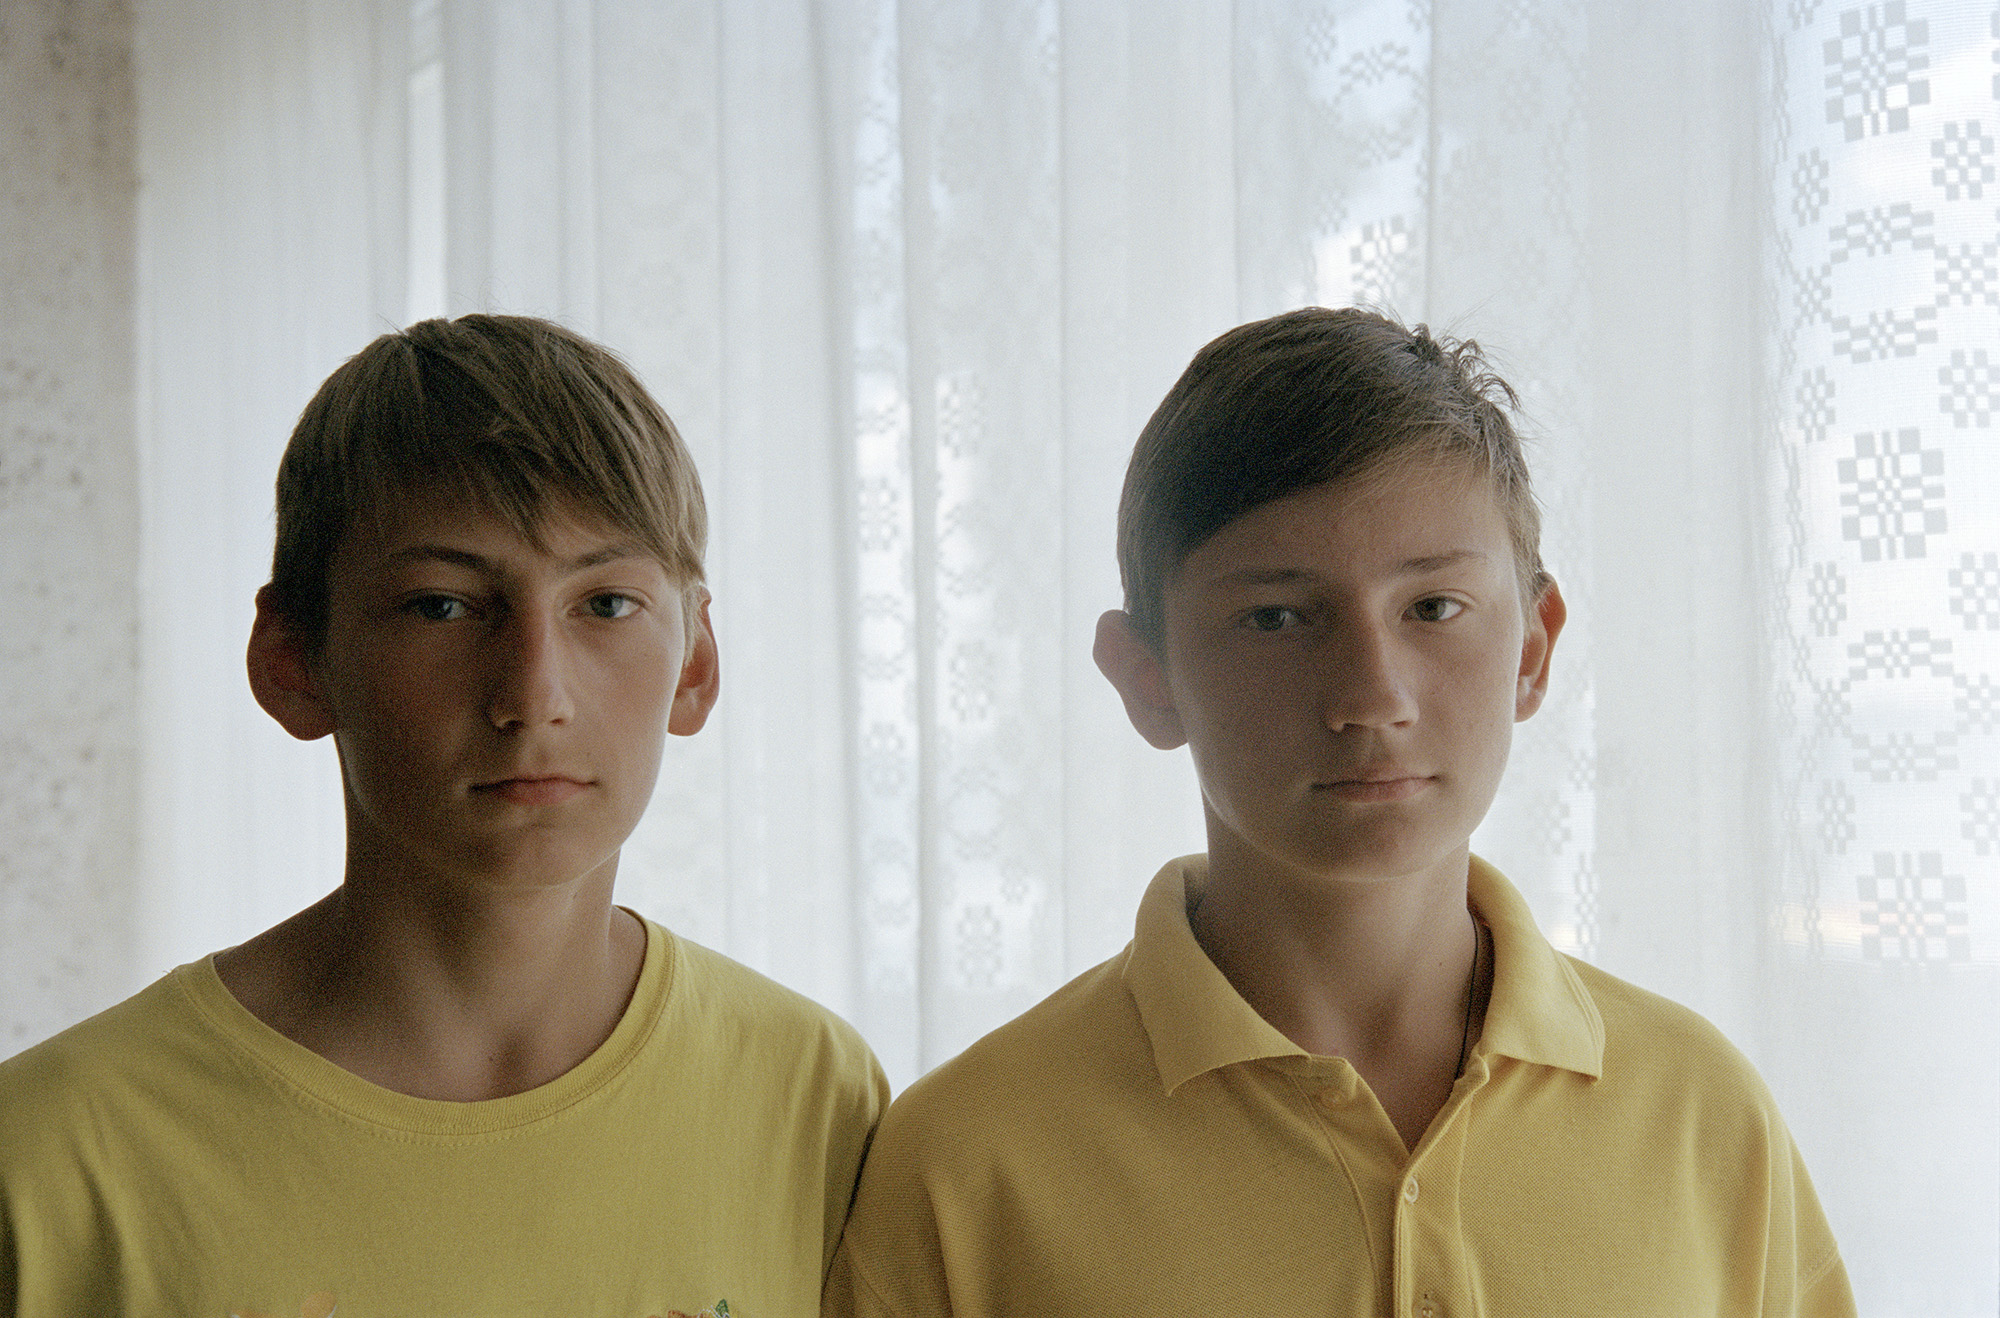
{"points": [[1143, 1142], [174, 1156]]}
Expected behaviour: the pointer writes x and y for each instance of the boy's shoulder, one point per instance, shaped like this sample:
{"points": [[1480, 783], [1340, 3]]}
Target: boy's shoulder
{"points": [[183, 1035], [156, 1019], [59, 1089], [1077, 1060], [1654, 1042], [1086, 1052], [1643, 1014], [1555, 1009], [734, 1006]]}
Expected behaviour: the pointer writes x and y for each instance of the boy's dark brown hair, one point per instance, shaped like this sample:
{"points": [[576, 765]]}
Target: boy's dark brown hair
{"points": [[510, 413], [1309, 398]]}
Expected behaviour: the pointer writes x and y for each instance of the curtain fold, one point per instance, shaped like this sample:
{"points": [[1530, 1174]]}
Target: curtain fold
{"points": [[911, 274]]}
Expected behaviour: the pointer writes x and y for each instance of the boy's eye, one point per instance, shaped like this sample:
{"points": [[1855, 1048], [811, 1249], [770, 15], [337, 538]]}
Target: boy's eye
{"points": [[1436, 609], [1271, 618], [437, 608], [611, 604]]}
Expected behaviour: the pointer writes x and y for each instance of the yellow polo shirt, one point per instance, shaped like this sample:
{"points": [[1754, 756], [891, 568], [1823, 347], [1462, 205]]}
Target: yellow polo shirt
{"points": [[1143, 1143]]}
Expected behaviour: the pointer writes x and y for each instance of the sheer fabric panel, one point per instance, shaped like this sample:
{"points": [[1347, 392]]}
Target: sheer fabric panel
{"points": [[1884, 511], [270, 215], [910, 277]]}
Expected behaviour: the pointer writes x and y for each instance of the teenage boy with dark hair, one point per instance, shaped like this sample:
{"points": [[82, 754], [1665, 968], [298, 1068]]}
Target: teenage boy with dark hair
{"points": [[465, 1082], [1338, 1070]]}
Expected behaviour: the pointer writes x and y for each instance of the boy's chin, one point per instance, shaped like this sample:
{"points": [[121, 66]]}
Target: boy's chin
{"points": [[535, 869], [1377, 857], [519, 869]]}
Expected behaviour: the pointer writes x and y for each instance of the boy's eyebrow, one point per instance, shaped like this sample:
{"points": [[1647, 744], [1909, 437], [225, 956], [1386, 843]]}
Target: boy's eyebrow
{"points": [[480, 563], [1409, 567]]}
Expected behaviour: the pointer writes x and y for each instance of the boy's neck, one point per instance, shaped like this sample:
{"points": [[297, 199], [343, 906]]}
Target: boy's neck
{"points": [[445, 993], [1379, 972]]}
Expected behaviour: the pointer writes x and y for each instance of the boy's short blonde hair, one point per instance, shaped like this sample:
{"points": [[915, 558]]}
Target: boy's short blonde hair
{"points": [[510, 413], [1308, 398]]}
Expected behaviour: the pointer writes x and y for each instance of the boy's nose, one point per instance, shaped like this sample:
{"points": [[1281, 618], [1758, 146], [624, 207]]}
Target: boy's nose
{"points": [[530, 680], [1365, 683]]}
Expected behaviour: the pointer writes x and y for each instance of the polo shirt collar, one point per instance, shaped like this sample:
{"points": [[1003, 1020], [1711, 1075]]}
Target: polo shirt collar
{"points": [[1540, 1011], [1196, 1020]]}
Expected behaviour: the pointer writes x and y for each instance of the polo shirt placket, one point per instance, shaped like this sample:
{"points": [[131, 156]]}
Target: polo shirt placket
{"points": [[1409, 1201]]}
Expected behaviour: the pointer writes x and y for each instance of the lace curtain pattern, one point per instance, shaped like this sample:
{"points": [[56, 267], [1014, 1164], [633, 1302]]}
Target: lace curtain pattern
{"points": [[910, 274], [1885, 588]]}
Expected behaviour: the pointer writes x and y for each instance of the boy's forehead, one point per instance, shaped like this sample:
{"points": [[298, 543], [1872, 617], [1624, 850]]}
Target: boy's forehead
{"points": [[1378, 512], [403, 521]]}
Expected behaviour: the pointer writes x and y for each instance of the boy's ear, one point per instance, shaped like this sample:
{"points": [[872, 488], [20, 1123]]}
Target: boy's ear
{"points": [[1131, 665], [281, 677], [701, 676], [1545, 623]]}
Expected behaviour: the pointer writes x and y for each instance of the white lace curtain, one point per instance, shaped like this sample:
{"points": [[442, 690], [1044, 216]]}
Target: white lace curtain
{"points": [[911, 275]]}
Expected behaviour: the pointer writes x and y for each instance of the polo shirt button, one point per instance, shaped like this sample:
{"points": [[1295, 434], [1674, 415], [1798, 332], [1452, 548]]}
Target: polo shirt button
{"points": [[1410, 1190], [1426, 1307]]}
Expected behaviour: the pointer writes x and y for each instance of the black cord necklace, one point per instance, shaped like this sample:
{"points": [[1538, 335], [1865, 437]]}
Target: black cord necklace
{"points": [[1471, 992]]}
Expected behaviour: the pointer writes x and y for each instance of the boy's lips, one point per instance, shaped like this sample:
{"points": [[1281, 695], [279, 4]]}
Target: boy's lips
{"points": [[1389, 784], [532, 789]]}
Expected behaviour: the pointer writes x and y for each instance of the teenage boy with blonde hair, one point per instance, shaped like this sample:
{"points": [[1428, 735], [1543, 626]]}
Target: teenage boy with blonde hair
{"points": [[465, 1082], [1337, 1071]]}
